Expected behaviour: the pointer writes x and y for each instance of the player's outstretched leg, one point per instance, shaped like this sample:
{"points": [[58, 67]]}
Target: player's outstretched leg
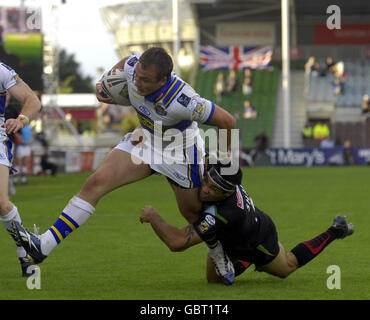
{"points": [[307, 250]]}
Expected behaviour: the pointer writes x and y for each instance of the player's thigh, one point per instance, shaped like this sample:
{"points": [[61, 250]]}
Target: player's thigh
{"points": [[188, 202], [116, 170], [5, 205], [281, 266]]}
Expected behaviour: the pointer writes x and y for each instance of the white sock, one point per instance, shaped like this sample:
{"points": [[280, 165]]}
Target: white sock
{"points": [[13, 215], [74, 215]]}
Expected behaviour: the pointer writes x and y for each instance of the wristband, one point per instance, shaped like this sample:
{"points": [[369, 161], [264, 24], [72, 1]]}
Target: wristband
{"points": [[24, 119]]}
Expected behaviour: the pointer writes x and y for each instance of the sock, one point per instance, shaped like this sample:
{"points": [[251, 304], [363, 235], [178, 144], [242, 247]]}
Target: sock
{"points": [[13, 215], [307, 250], [73, 216]]}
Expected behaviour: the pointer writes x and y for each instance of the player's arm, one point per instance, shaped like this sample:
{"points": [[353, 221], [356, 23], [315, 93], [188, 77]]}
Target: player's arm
{"points": [[223, 120], [176, 239], [98, 90], [31, 105]]}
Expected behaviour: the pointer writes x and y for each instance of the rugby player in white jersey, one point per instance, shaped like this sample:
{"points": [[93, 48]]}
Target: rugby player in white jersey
{"points": [[11, 83], [162, 100]]}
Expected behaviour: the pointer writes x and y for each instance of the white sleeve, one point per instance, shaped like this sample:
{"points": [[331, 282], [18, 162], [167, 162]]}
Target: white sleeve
{"points": [[201, 109], [8, 77], [130, 64]]}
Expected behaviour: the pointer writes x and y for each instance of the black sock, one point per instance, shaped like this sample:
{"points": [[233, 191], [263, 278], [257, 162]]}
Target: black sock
{"points": [[307, 250]]}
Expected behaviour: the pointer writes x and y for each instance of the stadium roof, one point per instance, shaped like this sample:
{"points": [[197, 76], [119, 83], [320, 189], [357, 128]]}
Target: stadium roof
{"points": [[211, 11]]}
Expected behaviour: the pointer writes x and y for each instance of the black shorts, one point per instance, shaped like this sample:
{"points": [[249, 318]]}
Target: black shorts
{"points": [[265, 247]]}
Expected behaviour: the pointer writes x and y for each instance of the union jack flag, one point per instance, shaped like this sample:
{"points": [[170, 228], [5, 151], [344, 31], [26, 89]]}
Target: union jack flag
{"points": [[235, 57]]}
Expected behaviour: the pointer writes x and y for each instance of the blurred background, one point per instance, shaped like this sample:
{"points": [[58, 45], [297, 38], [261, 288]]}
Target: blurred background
{"points": [[294, 73]]}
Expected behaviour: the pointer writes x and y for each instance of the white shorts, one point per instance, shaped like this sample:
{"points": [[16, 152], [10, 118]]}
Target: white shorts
{"points": [[6, 155], [186, 172], [22, 151]]}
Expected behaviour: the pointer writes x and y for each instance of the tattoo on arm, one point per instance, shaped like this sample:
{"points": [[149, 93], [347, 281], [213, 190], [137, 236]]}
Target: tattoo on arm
{"points": [[189, 233]]}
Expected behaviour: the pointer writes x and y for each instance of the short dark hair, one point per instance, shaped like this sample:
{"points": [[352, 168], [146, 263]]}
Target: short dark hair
{"points": [[231, 179], [158, 57]]}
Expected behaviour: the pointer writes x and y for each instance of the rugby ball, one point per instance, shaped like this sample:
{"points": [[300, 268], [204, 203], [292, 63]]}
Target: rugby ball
{"points": [[114, 85]]}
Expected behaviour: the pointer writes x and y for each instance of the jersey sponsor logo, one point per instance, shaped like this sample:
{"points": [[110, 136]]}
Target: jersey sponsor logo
{"points": [[183, 100], [146, 122], [179, 176], [132, 61], [211, 220], [144, 110], [239, 197]]}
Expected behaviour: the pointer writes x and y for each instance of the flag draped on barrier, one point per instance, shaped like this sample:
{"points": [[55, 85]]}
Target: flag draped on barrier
{"points": [[235, 57]]}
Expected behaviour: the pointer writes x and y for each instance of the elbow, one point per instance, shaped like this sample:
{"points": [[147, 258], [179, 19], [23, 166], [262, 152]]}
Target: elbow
{"points": [[175, 247], [231, 122]]}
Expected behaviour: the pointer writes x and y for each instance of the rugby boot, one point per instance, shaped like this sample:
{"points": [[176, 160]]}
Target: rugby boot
{"points": [[30, 242], [25, 264], [223, 265], [343, 228]]}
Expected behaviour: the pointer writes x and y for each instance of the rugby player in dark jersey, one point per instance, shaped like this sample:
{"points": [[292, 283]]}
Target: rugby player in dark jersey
{"points": [[230, 222]]}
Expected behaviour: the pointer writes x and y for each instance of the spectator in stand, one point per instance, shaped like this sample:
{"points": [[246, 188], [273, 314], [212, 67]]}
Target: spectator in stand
{"points": [[247, 86], [365, 105], [329, 67], [338, 86], [348, 157], [220, 87], [249, 111], [312, 67], [262, 141], [321, 131], [307, 131], [232, 82], [23, 151], [247, 82], [46, 165], [340, 77]]}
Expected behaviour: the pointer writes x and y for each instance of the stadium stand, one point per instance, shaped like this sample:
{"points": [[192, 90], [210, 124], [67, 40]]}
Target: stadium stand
{"points": [[263, 97]]}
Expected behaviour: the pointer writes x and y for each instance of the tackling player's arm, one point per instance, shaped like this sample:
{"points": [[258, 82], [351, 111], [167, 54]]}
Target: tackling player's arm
{"points": [[176, 239], [31, 105]]}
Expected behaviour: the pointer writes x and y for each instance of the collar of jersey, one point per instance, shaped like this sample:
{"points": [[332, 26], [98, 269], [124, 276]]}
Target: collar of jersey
{"points": [[161, 92]]}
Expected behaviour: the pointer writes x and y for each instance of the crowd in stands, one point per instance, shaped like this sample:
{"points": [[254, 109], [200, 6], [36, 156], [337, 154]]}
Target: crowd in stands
{"points": [[333, 70], [224, 87]]}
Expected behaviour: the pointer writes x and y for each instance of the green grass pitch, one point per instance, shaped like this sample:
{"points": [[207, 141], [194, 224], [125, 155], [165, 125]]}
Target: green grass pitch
{"points": [[113, 256]]}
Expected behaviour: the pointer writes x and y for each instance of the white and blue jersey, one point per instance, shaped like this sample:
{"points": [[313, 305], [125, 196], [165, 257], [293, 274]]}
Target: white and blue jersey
{"points": [[172, 114], [8, 78]]}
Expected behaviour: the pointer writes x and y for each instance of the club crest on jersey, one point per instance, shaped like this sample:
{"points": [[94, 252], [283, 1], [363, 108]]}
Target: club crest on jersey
{"points": [[204, 226], [160, 110]]}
